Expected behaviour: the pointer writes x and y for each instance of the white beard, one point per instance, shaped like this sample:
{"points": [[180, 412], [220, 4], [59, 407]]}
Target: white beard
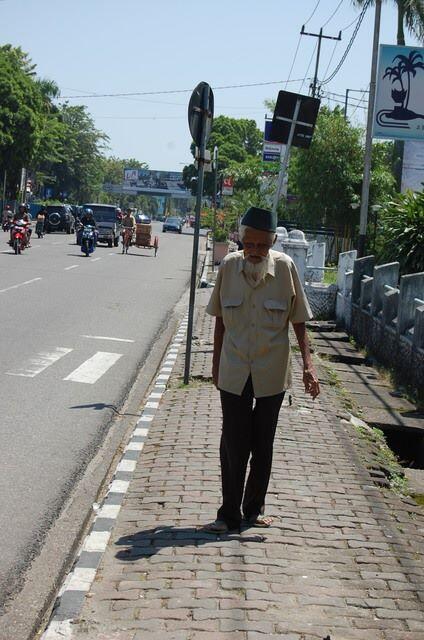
{"points": [[255, 273]]}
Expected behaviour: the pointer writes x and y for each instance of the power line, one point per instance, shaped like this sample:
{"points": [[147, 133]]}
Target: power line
{"points": [[294, 60], [333, 14], [313, 13], [351, 23], [349, 46], [173, 91], [331, 57], [358, 105], [307, 70]]}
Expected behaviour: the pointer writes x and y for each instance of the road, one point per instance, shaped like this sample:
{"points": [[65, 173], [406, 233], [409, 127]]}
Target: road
{"points": [[74, 331]]}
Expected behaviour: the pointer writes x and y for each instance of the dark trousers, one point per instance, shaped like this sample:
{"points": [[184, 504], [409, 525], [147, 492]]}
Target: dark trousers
{"points": [[248, 430]]}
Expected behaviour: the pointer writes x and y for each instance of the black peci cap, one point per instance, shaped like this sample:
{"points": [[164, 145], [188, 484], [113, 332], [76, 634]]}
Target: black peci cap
{"points": [[261, 219]]}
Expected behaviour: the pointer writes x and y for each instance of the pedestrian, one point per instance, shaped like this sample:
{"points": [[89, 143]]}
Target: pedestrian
{"points": [[257, 293]]}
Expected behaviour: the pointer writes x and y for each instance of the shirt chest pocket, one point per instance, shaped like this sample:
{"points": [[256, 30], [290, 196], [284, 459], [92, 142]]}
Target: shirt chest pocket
{"points": [[231, 311], [275, 313]]}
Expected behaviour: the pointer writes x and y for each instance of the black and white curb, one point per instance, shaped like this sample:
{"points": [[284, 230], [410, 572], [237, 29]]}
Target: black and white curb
{"points": [[78, 582]]}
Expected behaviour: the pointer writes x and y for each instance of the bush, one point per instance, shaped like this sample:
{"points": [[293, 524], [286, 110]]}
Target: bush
{"points": [[401, 232]]}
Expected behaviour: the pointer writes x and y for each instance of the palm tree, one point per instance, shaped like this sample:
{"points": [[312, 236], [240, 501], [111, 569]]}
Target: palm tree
{"points": [[410, 15]]}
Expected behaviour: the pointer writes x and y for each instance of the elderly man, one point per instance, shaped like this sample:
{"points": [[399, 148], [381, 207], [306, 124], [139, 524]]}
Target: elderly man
{"points": [[257, 292]]}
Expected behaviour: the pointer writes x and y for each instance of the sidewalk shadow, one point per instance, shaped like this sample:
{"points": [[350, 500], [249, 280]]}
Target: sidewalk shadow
{"points": [[144, 544]]}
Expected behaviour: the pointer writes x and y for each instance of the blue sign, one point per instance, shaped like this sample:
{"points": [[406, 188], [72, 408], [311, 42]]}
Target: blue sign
{"points": [[399, 105], [271, 151]]}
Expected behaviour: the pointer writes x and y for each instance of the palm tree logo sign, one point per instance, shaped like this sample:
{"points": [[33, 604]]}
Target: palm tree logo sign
{"points": [[401, 75]]}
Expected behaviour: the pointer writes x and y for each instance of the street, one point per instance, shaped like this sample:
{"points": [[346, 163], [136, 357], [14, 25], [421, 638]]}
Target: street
{"points": [[74, 332]]}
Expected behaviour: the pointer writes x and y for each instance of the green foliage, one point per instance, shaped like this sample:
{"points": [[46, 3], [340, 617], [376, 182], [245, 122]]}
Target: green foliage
{"points": [[239, 143], [401, 231]]}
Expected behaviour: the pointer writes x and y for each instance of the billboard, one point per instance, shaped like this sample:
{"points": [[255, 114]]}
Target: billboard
{"points": [[399, 104], [156, 182], [413, 166], [227, 186]]}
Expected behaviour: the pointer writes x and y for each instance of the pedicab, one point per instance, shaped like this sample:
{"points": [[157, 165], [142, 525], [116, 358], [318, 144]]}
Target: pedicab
{"points": [[142, 239]]}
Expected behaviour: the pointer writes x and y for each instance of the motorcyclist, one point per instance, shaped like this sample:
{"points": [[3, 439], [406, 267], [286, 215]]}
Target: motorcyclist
{"points": [[27, 219], [87, 219], [7, 216], [19, 221]]}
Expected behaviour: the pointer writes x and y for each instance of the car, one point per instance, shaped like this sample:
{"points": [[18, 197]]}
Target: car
{"points": [[173, 224], [142, 218], [108, 224], [59, 217]]}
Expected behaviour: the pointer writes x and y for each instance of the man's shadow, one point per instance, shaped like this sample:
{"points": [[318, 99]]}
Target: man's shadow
{"points": [[144, 544], [100, 406]]}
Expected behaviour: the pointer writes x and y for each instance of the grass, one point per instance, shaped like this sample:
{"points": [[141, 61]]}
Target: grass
{"points": [[330, 277]]}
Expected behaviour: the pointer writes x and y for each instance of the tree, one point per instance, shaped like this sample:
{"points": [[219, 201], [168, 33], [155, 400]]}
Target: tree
{"points": [[21, 106], [238, 141], [327, 177], [410, 14]]}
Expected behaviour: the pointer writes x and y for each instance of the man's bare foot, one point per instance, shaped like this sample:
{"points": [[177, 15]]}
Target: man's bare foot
{"points": [[259, 521]]}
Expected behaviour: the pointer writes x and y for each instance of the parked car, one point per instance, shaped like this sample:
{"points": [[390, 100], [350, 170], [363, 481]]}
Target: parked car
{"points": [[108, 224], [173, 224], [59, 217]]}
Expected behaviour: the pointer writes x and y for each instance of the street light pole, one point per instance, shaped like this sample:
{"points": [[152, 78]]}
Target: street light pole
{"points": [[215, 188], [368, 140]]}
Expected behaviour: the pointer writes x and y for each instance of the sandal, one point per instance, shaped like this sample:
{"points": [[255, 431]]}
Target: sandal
{"points": [[260, 521], [217, 526]]}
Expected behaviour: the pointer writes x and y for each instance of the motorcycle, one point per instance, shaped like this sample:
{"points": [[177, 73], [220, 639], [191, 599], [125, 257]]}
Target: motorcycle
{"points": [[88, 240], [39, 228], [6, 226], [19, 238]]}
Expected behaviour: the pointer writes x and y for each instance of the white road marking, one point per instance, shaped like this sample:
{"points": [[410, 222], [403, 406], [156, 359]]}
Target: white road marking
{"points": [[81, 579], [119, 486], [134, 446], [40, 362], [16, 286], [94, 368], [112, 510], [95, 259], [108, 338], [145, 419], [96, 541], [124, 465], [58, 630], [73, 266], [141, 432]]}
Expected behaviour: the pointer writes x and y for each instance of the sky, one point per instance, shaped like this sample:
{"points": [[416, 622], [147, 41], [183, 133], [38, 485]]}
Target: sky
{"points": [[135, 46]]}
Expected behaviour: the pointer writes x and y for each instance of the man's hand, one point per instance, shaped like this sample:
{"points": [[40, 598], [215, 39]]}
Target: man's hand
{"points": [[310, 380]]}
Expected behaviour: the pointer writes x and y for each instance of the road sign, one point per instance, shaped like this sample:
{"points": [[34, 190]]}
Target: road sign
{"points": [[227, 186], [399, 105], [201, 99], [271, 151], [284, 115]]}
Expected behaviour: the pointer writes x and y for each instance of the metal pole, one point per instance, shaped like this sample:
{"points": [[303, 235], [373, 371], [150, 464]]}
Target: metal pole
{"points": [[345, 106], [284, 159], [201, 161], [4, 190], [368, 140], [215, 188], [314, 85]]}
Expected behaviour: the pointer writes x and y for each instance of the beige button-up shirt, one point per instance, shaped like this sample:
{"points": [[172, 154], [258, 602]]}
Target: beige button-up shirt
{"points": [[256, 321]]}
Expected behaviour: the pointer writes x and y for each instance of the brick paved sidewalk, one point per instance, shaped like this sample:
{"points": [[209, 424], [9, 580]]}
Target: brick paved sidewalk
{"points": [[344, 559]]}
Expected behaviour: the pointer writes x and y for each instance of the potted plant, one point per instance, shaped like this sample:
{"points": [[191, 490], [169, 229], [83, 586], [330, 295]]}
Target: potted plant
{"points": [[220, 243]]}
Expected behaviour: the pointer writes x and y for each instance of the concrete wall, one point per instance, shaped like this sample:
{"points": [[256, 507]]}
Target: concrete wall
{"points": [[384, 314]]}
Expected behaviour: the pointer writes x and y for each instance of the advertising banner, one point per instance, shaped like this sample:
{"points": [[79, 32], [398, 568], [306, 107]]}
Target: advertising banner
{"points": [[399, 105], [413, 166], [227, 186]]}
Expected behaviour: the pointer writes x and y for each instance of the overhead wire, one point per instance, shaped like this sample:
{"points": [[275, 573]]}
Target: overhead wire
{"points": [[358, 105], [349, 46], [312, 14], [309, 65], [173, 91], [333, 14]]}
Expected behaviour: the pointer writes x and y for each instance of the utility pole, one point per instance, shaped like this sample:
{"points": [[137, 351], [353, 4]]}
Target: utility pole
{"points": [[320, 36], [368, 140], [215, 204], [347, 96]]}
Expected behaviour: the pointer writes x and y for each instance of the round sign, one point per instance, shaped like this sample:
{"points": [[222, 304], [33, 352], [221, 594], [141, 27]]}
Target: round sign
{"points": [[200, 105]]}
